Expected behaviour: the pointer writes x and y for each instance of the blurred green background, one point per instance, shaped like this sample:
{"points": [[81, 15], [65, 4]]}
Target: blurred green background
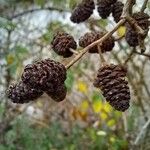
{"points": [[83, 121]]}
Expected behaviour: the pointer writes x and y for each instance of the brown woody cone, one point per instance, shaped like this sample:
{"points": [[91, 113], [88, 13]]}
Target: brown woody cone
{"points": [[105, 7], [90, 37], [82, 11], [58, 94], [44, 74], [131, 34], [111, 81], [117, 9], [62, 43], [21, 93]]}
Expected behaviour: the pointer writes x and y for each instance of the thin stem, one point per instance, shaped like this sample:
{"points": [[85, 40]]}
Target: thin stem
{"points": [[142, 132], [144, 5], [74, 51], [81, 54], [37, 9], [133, 22], [130, 56], [100, 54], [146, 55], [127, 8]]}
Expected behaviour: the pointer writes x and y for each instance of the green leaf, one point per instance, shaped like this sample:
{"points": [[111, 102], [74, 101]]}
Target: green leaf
{"points": [[70, 80]]}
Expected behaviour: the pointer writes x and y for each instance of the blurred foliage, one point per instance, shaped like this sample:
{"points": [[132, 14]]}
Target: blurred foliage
{"points": [[84, 121], [26, 136]]}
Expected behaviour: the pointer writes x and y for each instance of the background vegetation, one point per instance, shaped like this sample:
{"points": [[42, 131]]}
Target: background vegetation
{"points": [[84, 121]]}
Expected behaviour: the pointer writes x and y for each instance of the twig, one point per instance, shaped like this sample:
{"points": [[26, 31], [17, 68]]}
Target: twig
{"points": [[37, 9], [143, 54], [127, 8], [74, 51], [133, 23], [121, 22], [142, 132], [124, 117], [144, 5], [100, 54], [130, 56]]}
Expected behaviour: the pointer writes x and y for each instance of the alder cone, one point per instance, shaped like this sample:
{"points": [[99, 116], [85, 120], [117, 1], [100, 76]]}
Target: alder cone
{"points": [[131, 37], [44, 74], [59, 93], [105, 7], [21, 93], [142, 19], [131, 34], [62, 43], [111, 81], [117, 9], [82, 11], [91, 37]]}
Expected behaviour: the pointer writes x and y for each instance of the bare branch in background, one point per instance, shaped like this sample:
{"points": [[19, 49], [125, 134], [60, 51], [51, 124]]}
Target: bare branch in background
{"points": [[144, 5], [37, 9], [142, 132]]}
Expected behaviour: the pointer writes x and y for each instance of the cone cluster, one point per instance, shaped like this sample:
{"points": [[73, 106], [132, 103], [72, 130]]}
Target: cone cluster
{"points": [[105, 7], [21, 93], [111, 81], [132, 36], [62, 43], [42, 76], [90, 37], [117, 9], [82, 11]]}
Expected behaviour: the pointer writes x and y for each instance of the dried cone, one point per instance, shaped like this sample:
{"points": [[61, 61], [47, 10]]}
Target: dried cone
{"points": [[82, 11], [117, 9], [105, 7], [62, 43], [21, 93], [131, 37], [44, 74], [142, 20], [111, 80], [90, 37], [59, 93], [131, 34]]}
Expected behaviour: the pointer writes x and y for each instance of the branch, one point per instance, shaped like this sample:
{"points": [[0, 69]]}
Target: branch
{"points": [[37, 9], [127, 8], [121, 22], [133, 22], [142, 132], [143, 54], [144, 5]]}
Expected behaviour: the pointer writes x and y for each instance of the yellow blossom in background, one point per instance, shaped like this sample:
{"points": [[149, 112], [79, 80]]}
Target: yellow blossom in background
{"points": [[107, 108], [121, 31], [84, 105], [10, 59], [82, 87], [111, 123], [97, 106], [112, 139], [103, 116]]}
